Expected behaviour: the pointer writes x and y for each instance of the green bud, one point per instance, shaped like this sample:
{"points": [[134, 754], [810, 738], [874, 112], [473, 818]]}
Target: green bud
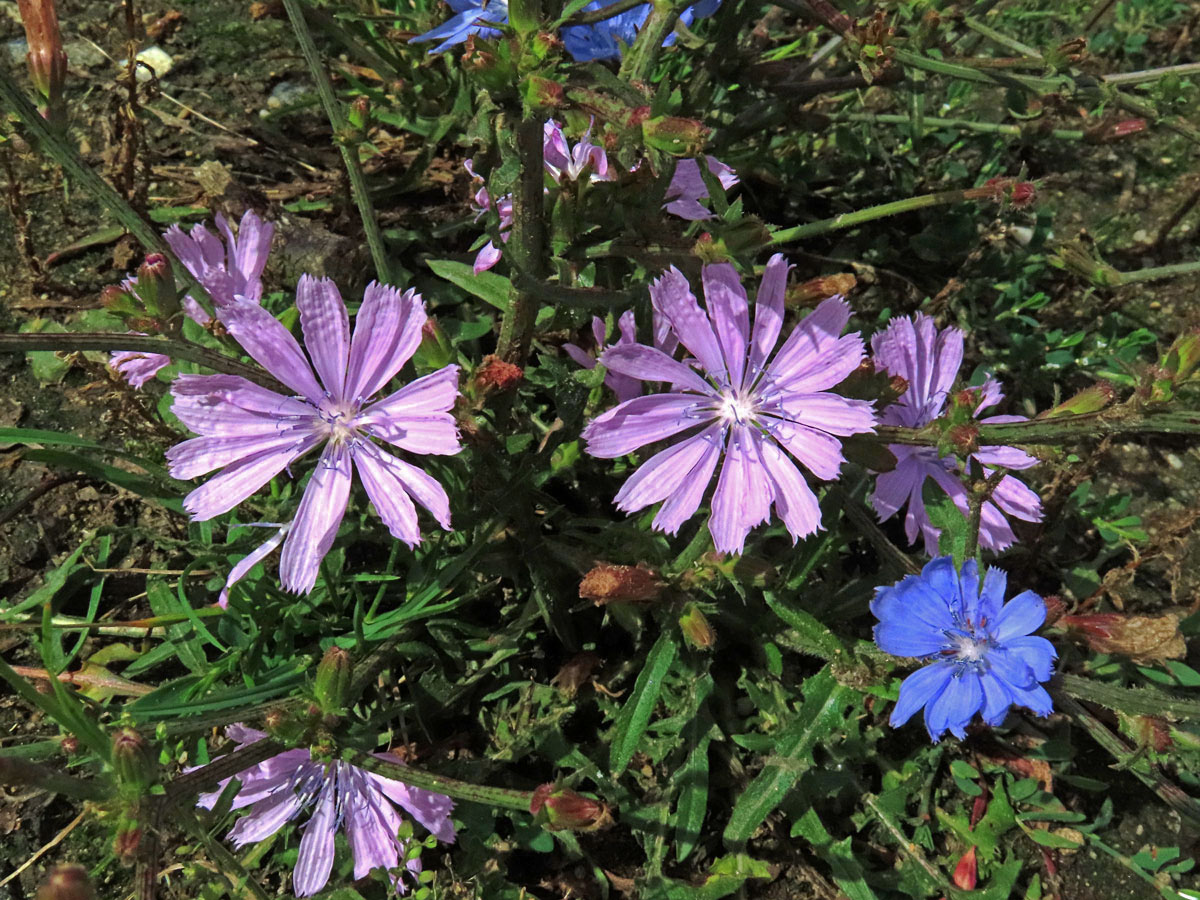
{"points": [[435, 351], [133, 760], [675, 135], [332, 687], [696, 629], [1089, 400], [1184, 356], [358, 116], [156, 287]]}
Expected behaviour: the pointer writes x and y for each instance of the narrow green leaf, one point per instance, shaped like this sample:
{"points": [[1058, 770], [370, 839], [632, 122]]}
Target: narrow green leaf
{"points": [[814, 636], [635, 714], [693, 776], [53, 584], [820, 716], [487, 286]]}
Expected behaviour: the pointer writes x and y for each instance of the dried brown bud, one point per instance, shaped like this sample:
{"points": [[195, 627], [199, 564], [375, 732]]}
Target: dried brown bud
{"points": [[494, 374], [964, 439], [816, 289], [1141, 638], [66, 882], [1055, 608], [560, 809], [608, 583], [576, 672]]}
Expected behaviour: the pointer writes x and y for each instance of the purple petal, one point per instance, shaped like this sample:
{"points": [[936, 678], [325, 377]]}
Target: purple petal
{"points": [[648, 364], [672, 295], [199, 456], [315, 860], [1005, 457], [136, 367], [795, 503], [922, 687], [683, 503], [663, 474], [227, 489], [768, 312], [811, 345], [387, 331], [555, 154], [251, 249], [487, 257], [266, 818], [643, 420], [416, 417], [244, 565], [831, 413], [317, 519], [580, 356], [231, 405], [926, 359], [326, 331], [1017, 499], [272, 347], [729, 312], [430, 809], [743, 495], [819, 452], [893, 488], [389, 482]]}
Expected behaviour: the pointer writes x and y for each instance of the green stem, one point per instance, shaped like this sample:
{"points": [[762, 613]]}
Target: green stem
{"points": [[1059, 430], [184, 788], [638, 64], [527, 246], [1132, 701], [459, 790], [933, 122], [53, 144], [341, 137], [1153, 74], [21, 773], [850, 219], [1002, 39], [143, 343], [1157, 272]]}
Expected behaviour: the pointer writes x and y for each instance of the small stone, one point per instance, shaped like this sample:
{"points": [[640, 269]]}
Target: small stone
{"points": [[87, 494], [157, 59], [1140, 236], [16, 49], [287, 93], [1174, 461]]}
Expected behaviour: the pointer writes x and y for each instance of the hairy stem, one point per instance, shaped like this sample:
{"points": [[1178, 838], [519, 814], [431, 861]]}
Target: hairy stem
{"points": [[459, 790], [527, 246]]}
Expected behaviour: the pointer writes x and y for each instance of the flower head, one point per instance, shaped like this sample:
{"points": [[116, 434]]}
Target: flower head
{"points": [[253, 433], [740, 398], [981, 655], [470, 17], [623, 386], [345, 797], [231, 272], [687, 188], [929, 360]]}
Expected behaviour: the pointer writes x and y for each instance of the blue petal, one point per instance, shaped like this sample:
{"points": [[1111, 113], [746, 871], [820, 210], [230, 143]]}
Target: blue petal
{"points": [[1035, 699], [953, 710], [1024, 614], [908, 638], [991, 600], [913, 601], [918, 689], [1013, 670], [1036, 652], [996, 698], [942, 577], [968, 589]]}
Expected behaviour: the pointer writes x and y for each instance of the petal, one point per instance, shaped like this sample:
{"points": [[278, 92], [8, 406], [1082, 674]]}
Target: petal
{"points": [[997, 456], [672, 295], [198, 456], [317, 519], [315, 860], [682, 504], [768, 312], [432, 393], [813, 342], [1014, 497], [991, 598], [743, 495], [663, 474], [1010, 668], [819, 452], [227, 489], [893, 488], [1034, 698], [795, 502], [829, 412], [920, 688], [953, 709], [387, 331], [729, 312], [579, 355], [244, 565], [927, 360], [390, 482], [688, 208], [995, 533], [251, 249], [433, 435], [416, 417], [996, 698], [430, 809], [231, 405], [901, 638], [649, 364], [1036, 652], [136, 367], [371, 828], [272, 347], [644, 420], [266, 818], [487, 257], [1023, 614], [326, 330]]}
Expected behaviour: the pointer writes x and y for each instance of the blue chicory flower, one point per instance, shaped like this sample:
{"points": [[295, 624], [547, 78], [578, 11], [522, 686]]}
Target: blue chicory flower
{"points": [[981, 653]]}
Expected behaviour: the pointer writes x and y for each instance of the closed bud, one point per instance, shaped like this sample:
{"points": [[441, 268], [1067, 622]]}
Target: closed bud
{"points": [[1078, 258], [332, 687], [966, 873], [358, 116], [607, 583], [817, 289], [1055, 608], [46, 58], [1183, 357], [67, 882], [156, 286], [562, 809], [696, 629], [675, 135], [283, 725], [127, 841], [133, 760], [1089, 400], [120, 302], [963, 438], [544, 94], [435, 350], [1141, 638]]}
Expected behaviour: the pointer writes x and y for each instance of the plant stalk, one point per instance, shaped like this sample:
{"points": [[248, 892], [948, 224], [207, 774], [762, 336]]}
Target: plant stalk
{"points": [[527, 246], [459, 790]]}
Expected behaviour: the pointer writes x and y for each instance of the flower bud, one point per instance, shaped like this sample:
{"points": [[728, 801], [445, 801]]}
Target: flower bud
{"points": [[67, 882], [128, 839], [561, 809], [543, 94], [1183, 357], [608, 583], [435, 350], [133, 760], [817, 289], [696, 629], [120, 302], [963, 438], [358, 116], [1141, 638], [332, 687], [966, 873], [46, 58], [284, 726], [1089, 400], [156, 286], [675, 135], [494, 374]]}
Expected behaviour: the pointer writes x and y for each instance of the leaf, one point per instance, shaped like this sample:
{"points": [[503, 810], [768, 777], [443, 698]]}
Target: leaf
{"points": [[693, 776], [820, 716], [814, 637], [487, 286], [635, 714], [949, 518], [53, 584]]}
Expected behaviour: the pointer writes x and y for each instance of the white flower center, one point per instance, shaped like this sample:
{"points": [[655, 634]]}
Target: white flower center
{"points": [[968, 648], [737, 408], [339, 420]]}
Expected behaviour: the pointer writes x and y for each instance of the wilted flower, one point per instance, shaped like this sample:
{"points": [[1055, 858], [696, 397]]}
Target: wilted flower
{"points": [[623, 386], [740, 398], [255, 433], [980, 652], [603, 40], [687, 188], [231, 272], [929, 361], [565, 162], [345, 796]]}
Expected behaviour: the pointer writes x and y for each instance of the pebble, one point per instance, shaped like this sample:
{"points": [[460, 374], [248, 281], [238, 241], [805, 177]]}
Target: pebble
{"points": [[287, 93], [157, 59], [1173, 461], [16, 49]]}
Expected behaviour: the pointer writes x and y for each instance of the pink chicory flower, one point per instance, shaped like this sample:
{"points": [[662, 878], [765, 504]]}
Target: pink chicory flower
{"points": [[929, 361], [230, 272], [623, 386], [687, 188], [345, 797], [254, 433], [741, 398]]}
